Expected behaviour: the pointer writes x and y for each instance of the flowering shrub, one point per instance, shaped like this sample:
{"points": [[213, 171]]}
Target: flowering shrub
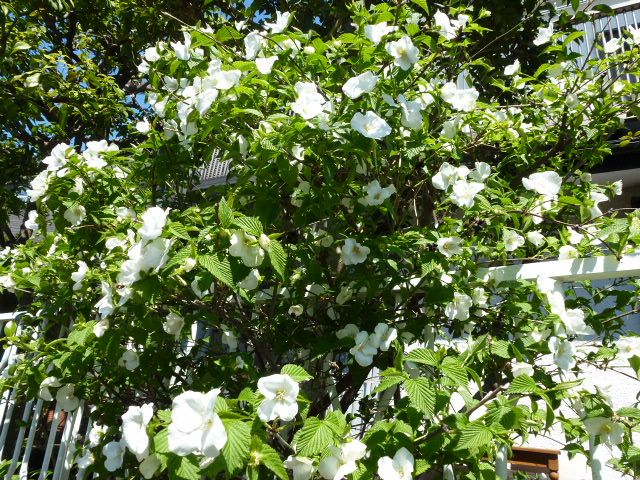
{"points": [[229, 331]]}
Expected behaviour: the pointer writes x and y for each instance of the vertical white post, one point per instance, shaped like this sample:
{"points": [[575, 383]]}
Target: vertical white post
{"points": [[502, 470], [596, 461], [447, 473]]}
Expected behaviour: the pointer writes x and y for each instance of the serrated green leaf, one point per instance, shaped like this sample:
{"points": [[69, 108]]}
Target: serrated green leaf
{"points": [[337, 422], [421, 394], [219, 268], [523, 384], [225, 213], [183, 468], [278, 258], [236, 450], [475, 435], [179, 257], [314, 436], [270, 459], [422, 4], [296, 372], [390, 378], [423, 356], [454, 371], [179, 230], [250, 225]]}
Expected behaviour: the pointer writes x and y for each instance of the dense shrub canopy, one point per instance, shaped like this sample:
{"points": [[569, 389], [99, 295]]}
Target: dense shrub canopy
{"points": [[229, 330]]}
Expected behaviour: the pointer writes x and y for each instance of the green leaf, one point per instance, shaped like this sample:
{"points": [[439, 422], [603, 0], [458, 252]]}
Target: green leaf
{"points": [[250, 225], [523, 384], [179, 230], [278, 257], [454, 371], [424, 356], [183, 468], [225, 214], [296, 372], [389, 378], [78, 336], [422, 4], [236, 450], [629, 412], [475, 435], [314, 436], [269, 458], [219, 268], [422, 394]]}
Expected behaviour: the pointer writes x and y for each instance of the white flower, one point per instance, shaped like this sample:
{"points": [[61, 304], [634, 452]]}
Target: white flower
{"points": [[265, 64], [151, 54], [225, 79], [134, 429], [383, 337], [449, 28], [58, 159], [536, 238], [563, 352], [280, 393], [189, 264], [296, 310], [481, 172], [343, 460], [357, 86], [122, 213], [370, 125], [253, 43], [143, 126], [79, 275], [96, 434], [574, 237], [354, 253], [39, 186], [410, 113], [67, 401], [404, 52], [32, 221], [479, 296], [47, 383], [613, 45], [465, 192], [521, 368], [545, 183], [173, 324], [195, 426], [344, 295], [281, 23], [363, 351], [349, 330], [182, 49], [105, 304], [512, 240], [447, 175], [463, 99], [247, 248], [375, 32], [149, 466], [376, 194], [309, 103], [114, 453], [129, 360], [628, 347], [610, 432], [573, 320], [75, 214], [251, 281], [617, 187], [85, 460], [449, 246], [400, 467], [567, 252], [459, 307], [302, 467], [597, 198], [153, 221], [512, 69], [101, 327], [544, 35], [93, 153], [229, 338]]}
